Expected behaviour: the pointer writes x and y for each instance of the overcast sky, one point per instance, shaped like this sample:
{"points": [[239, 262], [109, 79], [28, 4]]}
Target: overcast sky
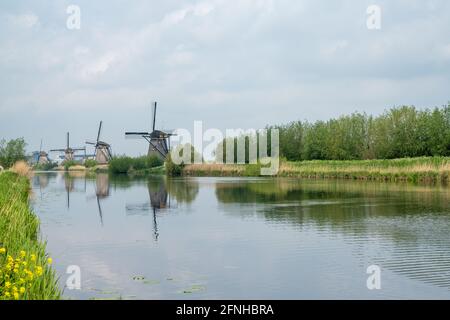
{"points": [[231, 64]]}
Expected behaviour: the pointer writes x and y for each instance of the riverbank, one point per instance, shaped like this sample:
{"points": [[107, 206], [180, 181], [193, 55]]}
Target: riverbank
{"points": [[25, 268], [423, 169]]}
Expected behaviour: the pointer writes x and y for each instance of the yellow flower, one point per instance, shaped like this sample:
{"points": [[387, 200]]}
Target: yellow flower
{"points": [[49, 260], [7, 294], [33, 257], [38, 270], [23, 253], [22, 290], [2, 250], [16, 296], [7, 284]]}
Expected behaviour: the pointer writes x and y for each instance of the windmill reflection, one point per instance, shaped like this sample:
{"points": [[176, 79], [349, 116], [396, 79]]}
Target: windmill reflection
{"points": [[101, 191], [41, 181], [164, 194], [69, 184]]}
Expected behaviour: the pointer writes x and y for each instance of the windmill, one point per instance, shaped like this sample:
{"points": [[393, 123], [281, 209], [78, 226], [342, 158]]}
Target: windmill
{"points": [[102, 149], [159, 141], [43, 156], [69, 153]]}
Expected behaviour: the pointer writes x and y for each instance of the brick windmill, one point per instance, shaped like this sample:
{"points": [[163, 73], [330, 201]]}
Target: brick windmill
{"points": [[159, 141], [102, 149], [69, 153], [43, 156]]}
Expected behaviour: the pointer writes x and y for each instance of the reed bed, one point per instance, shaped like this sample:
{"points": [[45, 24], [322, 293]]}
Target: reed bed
{"points": [[423, 169], [431, 169], [25, 268]]}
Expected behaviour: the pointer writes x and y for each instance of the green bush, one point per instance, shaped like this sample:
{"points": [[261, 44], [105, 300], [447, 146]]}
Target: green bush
{"points": [[120, 164], [71, 163], [139, 163], [154, 161], [46, 166], [90, 163], [172, 169], [124, 164]]}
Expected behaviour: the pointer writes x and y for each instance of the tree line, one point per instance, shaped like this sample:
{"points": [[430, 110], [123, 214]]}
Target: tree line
{"points": [[397, 133]]}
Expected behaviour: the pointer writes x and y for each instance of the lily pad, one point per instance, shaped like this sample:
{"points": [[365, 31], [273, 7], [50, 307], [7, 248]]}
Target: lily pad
{"points": [[194, 289]]}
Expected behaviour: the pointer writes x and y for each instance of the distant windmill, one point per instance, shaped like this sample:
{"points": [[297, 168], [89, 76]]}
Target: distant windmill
{"points": [[43, 156], [159, 141], [102, 149], [69, 153]]}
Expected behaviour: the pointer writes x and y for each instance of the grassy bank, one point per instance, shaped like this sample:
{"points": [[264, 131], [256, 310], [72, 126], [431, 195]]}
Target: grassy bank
{"points": [[423, 169], [25, 268]]}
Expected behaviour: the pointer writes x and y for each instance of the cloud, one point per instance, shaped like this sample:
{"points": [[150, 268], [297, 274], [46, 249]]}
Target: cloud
{"points": [[241, 63], [26, 20]]}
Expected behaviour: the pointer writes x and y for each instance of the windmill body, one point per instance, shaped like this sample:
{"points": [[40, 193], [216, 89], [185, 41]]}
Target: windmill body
{"points": [[69, 153], [43, 158], [103, 153], [159, 141]]}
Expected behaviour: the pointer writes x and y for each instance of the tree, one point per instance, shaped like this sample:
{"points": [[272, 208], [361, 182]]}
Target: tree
{"points": [[12, 151]]}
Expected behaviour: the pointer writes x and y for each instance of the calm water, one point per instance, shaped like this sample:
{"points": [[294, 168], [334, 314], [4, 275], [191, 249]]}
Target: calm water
{"points": [[249, 238]]}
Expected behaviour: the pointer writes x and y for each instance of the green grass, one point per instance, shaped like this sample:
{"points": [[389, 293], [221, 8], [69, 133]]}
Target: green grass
{"points": [[19, 232], [422, 169]]}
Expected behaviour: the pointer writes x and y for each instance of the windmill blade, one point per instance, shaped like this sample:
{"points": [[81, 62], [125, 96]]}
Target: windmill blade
{"points": [[154, 115], [171, 132], [68, 142], [40, 148], [99, 131], [136, 135], [57, 150], [90, 142]]}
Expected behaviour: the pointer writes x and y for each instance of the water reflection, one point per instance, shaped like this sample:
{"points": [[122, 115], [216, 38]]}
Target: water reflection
{"points": [[409, 224], [161, 191], [262, 238], [101, 191]]}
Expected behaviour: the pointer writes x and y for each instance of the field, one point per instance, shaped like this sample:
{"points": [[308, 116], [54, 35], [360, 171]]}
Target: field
{"points": [[25, 268]]}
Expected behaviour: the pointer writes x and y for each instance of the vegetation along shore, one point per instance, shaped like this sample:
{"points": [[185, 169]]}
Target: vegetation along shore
{"points": [[423, 169], [25, 268]]}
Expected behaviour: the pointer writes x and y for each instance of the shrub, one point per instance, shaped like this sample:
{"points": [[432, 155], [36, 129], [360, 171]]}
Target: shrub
{"points": [[139, 163], [172, 169], [124, 164], [45, 166], [68, 164], [120, 164], [154, 161], [90, 163]]}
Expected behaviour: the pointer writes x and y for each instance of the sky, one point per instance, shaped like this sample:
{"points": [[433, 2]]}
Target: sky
{"points": [[231, 64]]}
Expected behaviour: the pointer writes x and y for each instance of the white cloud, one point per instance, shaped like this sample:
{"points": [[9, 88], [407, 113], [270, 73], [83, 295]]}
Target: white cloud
{"points": [[223, 61], [26, 20]]}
